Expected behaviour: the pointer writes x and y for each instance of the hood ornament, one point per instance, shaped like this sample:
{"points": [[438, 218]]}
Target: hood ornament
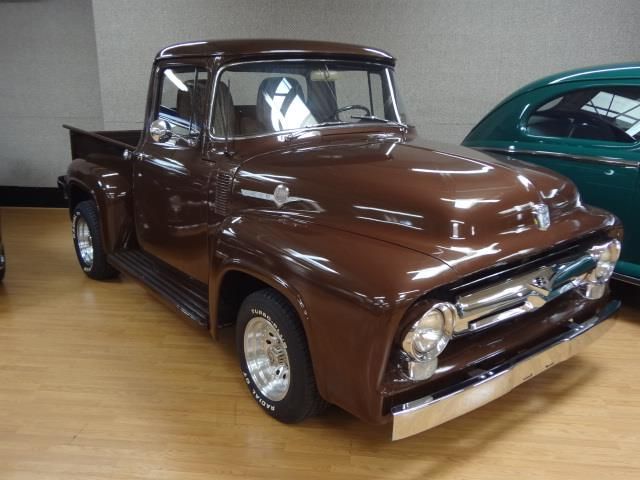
{"points": [[281, 195], [541, 216]]}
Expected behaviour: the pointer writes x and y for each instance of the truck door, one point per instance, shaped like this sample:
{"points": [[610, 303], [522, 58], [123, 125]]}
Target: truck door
{"points": [[171, 176]]}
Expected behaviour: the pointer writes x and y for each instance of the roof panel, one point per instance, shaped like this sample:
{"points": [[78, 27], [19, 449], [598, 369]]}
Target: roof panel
{"points": [[271, 47]]}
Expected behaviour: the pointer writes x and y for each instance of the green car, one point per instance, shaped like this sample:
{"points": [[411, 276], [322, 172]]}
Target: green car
{"points": [[584, 124]]}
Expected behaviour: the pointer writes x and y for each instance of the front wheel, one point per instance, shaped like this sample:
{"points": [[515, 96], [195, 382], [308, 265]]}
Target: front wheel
{"points": [[274, 358], [87, 239]]}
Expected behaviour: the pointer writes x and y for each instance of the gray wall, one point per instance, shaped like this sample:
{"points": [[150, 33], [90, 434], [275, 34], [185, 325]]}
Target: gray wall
{"points": [[49, 76], [457, 58]]}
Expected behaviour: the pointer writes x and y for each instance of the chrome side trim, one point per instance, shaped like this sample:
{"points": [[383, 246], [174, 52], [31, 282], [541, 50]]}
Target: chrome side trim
{"points": [[428, 412], [626, 278], [611, 161], [523, 293]]}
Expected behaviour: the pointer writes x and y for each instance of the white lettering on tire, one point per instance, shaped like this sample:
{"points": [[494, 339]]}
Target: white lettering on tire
{"points": [[259, 313], [263, 403], [74, 220]]}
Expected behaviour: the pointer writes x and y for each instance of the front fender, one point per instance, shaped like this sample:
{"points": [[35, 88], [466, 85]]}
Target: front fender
{"points": [[350, 292]]}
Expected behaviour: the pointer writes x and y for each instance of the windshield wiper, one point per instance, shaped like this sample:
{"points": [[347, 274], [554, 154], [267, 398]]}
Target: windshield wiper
{"points": [[310, 130], [326, 124], [373, 118]]}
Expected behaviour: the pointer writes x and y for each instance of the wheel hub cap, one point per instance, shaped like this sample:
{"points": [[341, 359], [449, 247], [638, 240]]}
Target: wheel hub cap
{"points": [[267, 360], [84, 241]]}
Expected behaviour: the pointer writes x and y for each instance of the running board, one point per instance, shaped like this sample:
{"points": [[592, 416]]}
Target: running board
{"points": [[188, 295]]}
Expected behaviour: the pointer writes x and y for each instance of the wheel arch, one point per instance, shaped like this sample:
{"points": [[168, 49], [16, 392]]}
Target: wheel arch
{"points": [[78, 192], [236, 282], [113, 200]]}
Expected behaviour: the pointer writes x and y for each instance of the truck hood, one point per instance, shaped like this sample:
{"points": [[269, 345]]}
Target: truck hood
{"points": [[468, 209]]}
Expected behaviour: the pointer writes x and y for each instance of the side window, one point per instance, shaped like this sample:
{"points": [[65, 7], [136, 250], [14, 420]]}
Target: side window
{"points": [[182, 101], [609, 114], [377, 94]]}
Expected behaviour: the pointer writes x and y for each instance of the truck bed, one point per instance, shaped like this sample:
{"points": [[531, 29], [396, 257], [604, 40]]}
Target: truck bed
{"points": [[112, 143]]}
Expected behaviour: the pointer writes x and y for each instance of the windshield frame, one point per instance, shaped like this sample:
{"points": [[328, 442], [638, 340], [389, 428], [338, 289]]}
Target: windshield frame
{"points": [[386, 69]]}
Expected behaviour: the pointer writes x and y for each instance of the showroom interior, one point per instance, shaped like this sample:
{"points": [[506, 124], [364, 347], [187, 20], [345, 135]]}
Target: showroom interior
{"points": [[106, 376]]}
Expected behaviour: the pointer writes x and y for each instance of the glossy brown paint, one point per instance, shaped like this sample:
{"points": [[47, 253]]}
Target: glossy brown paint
{"points": [[399, 257], [350, 291], [465, 209], [98, 171], [377, 221], [269, 48]]}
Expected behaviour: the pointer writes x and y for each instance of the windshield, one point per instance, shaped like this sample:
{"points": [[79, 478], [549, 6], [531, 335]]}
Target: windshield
{"points": [[264, 97]]}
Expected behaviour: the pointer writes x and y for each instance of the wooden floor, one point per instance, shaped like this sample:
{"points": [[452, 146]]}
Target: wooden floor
{"points": [[100, 380]]}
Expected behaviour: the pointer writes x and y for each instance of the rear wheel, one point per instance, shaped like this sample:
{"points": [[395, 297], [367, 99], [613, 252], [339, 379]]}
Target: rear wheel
{"points": [[3, 262], [87, 239], [274, 358]]}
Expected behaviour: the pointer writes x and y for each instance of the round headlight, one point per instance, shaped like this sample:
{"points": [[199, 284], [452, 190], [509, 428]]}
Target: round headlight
{"points": [[427, 337], [607, 256], [612, 253]]}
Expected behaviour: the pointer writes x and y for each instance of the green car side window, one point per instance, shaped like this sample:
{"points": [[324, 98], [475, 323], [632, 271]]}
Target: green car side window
{"points": [[610, 114]]}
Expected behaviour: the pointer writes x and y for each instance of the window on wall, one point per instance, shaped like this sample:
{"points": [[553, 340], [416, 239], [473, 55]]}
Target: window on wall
{"points": [[183, 101], [609, 114]]}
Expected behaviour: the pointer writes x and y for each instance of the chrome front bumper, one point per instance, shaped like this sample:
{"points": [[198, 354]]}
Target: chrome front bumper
{"points": [[428, 412]]}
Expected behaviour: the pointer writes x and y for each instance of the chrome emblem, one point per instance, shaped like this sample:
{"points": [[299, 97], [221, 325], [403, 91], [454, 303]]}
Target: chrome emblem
{"points": [[281, 195], [541, 215]]}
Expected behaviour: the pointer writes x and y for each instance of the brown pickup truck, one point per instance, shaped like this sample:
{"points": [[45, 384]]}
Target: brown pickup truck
{"points": [[277, 187]]}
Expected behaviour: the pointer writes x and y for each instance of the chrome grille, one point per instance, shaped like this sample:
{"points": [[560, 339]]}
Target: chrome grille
{"points": [[520, 294]]}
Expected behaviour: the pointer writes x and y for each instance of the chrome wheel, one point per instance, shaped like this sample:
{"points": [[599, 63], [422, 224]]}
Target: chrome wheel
{"points": [[265, 352], [84, 241]]}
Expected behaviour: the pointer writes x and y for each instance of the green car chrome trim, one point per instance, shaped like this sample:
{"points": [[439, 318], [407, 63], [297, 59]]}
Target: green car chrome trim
{"points": [[604, 160]]}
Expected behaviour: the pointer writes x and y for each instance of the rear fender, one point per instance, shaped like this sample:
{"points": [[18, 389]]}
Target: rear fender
{"points": [[111, 192]]}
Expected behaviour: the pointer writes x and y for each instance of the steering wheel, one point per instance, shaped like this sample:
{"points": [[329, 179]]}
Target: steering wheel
{"points": [[346, 108]]}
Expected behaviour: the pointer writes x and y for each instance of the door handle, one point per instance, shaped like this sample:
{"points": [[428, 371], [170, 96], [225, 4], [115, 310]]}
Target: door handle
{"points": [[608, 172], [129, 155]]}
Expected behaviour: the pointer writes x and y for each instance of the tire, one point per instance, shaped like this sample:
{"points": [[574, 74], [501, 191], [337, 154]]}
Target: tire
{"points": [[87, 240], [3, 263], [269, 333]]}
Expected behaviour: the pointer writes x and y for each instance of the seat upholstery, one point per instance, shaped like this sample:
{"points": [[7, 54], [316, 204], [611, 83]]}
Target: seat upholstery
{"points": [[192, 97], [275, 96], [224, 113]]}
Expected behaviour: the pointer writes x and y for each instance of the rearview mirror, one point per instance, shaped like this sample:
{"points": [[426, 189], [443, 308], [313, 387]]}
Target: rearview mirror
{"points": [[324, 75], [160, 131]]}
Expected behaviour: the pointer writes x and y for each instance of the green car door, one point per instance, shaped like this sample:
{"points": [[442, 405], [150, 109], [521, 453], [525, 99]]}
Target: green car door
{"points": [[587, 130]]}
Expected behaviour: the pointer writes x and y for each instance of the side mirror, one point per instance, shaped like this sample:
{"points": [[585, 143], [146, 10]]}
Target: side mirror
{"points": [[160, 131]]}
